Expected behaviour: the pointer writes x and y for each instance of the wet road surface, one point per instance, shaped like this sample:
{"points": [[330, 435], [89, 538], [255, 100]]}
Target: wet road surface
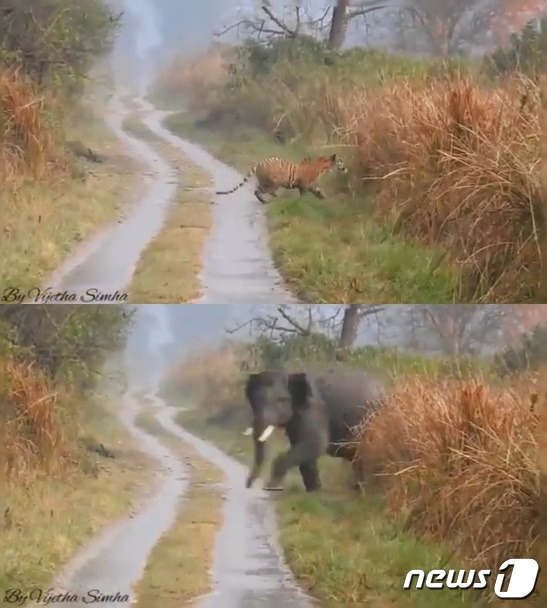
{"points": [[248, 571], [237, 264], [108, 260]]}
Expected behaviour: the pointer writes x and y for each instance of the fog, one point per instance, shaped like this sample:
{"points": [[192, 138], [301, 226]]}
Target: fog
{"points": [[152, 30], [175, 331]]}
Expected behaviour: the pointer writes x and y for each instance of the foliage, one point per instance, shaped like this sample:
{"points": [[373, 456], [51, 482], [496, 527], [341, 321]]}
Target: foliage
{"points": [[50, 359], [66, 341], [458, 460], [527, 52], [55, 41]]}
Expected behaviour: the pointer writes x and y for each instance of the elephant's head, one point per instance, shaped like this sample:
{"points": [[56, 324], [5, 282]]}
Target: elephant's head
{"points": [[273, 397]]}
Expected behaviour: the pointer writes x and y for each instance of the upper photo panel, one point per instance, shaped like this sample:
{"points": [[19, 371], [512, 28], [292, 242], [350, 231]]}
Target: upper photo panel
{"points": [[169, 151]]}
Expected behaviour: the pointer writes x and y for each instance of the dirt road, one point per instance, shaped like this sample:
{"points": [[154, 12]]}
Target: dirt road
{"points": [[248, 569], [237, 264]]}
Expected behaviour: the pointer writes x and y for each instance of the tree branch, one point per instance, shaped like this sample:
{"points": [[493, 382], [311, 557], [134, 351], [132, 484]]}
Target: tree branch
{"points": [[359, 12]]}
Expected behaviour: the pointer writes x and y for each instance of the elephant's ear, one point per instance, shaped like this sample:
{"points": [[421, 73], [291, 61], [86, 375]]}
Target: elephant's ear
{"points": [[300, 389], [250, 386]]}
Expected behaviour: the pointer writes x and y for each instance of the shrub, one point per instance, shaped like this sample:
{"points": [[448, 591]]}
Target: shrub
{"points": [[27, 141], [50, 357], [458, 461], [526, 52]]}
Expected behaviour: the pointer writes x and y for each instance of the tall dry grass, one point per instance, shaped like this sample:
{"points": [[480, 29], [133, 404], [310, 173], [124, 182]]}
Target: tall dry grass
{"points": [[454, 161], [37, 428], [459, 461], [27, 141], [458, 164]]}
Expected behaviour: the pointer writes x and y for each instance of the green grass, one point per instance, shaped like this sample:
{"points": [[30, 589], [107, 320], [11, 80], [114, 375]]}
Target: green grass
{"points": [[173, 577], [343, 548], [331, 250], [168, 269], [43, 220]]}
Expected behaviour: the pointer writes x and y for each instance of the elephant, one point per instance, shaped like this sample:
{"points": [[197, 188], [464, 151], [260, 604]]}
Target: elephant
{"points": [[317, 411]]}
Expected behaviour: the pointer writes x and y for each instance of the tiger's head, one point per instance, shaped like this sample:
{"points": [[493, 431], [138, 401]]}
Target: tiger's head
{"points": [[336, 164]]}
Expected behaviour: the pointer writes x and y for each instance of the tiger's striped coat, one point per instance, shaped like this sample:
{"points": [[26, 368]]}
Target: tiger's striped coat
{"points": [[274, 173]]}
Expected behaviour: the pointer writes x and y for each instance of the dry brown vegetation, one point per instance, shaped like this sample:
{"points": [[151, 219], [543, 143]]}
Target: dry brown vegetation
{"points": [[209, 373], [194, 82], [37, 431], [27, 140], [463, 165], [452, 157], [459, 461]]}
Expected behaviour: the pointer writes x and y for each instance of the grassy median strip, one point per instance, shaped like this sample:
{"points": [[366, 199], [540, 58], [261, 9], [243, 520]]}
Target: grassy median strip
{"points": [[331, 250], [169, 267], [342, 547], [178, 569]]}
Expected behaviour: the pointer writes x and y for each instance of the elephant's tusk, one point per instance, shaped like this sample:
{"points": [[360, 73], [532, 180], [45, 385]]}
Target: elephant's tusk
{"points": [[248, 431], [267, 432]]}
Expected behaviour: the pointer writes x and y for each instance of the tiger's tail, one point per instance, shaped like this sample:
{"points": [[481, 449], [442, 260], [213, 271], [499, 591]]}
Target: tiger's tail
{"points": [[246, 178]]}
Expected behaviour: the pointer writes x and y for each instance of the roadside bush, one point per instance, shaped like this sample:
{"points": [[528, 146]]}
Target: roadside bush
{"points": [[458, 166], [458, 461], [526, 52], [50, 358], [56, 41], [27, 142], [46, 50]]}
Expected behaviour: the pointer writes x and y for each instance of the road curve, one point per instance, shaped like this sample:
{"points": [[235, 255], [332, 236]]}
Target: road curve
{"points": [[237, 264], [249, 570]]}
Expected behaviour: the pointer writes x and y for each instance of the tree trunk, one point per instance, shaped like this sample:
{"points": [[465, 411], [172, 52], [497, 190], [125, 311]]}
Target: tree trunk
{"points": [[338, 24], [350, 325]]}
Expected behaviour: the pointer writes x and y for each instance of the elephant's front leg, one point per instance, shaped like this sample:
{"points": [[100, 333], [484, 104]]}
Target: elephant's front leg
{"points": [[299, 455]]}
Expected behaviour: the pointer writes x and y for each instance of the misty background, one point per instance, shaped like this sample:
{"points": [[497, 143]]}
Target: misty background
{"points": [[177, 330], [154, 30]]}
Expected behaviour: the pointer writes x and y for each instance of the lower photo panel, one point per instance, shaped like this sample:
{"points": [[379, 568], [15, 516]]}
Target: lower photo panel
{"points": [[239, 456]]}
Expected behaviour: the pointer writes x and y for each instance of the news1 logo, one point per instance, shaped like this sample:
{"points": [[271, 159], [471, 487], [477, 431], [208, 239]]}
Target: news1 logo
{"points": [[515, 580]]}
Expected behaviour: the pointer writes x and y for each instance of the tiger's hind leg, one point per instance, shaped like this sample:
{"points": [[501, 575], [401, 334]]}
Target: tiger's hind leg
{"points": [[316, 191], [261, 195]]}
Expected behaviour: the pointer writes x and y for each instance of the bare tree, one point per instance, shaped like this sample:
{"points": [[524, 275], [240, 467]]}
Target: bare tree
{"points": [[329, 25], [342, 14], [342, 324], [465, 329], [450, 26]]}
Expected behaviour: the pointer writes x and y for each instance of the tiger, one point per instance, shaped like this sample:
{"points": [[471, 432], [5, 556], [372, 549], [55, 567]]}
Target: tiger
{"points": [[274, 173]]}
